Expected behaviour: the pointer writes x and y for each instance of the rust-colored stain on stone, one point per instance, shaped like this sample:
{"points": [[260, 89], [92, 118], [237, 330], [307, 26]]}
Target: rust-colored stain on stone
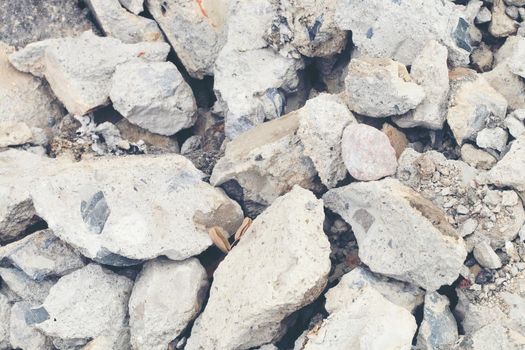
{"points": [[203, 11]]}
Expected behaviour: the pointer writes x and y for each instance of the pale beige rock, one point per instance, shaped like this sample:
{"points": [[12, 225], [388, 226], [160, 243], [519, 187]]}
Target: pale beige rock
{"points": [[501, 25], [397, 138], [509, 170], [476, 157], [249, 297]]}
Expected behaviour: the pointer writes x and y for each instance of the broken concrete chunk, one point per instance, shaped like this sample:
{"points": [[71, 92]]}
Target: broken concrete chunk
{"points": [[92, 294], [24, 99], [129, 28], [452, 186], [14, 134], [321, 125], [509, 170], [23, 335], [255, 166], [486, 256], [514, 125], [367, 153], [249, 86], [115, 209], [379, 88], [476, 157], [430, 71], [494, 138], [25, 21], [25, 287], [473, 105], [195, 30], [438, 329], [79, 70], [290, 271], [154, 96], [400, 233], [309, 27], [41, 255], [400, 293], [156, 317], [501, 25], [16, 211], [368, 321], [421, 21]]}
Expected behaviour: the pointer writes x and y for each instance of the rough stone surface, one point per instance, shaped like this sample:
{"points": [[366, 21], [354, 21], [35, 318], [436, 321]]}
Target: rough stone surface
{"points": [[400, 293], [79, 69], [473, 104], [92, 294], [397, 138], [400, 233], [156, 317], [494, 138], [24, 98], [430, 71], [486, 256], [438, 329], [514, 125], [508, 171], [195, 29], [16, 211], [476, 157], [367, 153], [453, 186], [369, 321], [249, 297], [24, 287], [26, 21], [5, 314], [114, 209], [380, 88], [421, 21], [41, 255], [115, 21], [14, 134], [133, 6], [501, 25], [154, 96], [321, 125], [22, 335], [258, 162]]}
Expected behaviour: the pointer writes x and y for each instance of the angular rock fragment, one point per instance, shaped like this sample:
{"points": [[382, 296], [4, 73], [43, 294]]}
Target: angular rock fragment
{"points": [[116, 22], [477, 158], [380, 28], [473, 104], [397, 138], [379, 88], [92, 294], [430, 71], [14, 134], [124, 209], [438, 329], [156, 318], [367, 153], [400, 293], [368, 321], [321, 125], [24, 287], [308, 26], [25, 21], [79, 70], [24, 98], [280, 265], [400, 233], [514, 125], [509, 170], [41, 255], [5, 314], [256, 168], [154, 96], [452, 186], [16, 211], [22, 335], [195, 29], [501, 25], [486, 256], [251, 80], [494, 138]]}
